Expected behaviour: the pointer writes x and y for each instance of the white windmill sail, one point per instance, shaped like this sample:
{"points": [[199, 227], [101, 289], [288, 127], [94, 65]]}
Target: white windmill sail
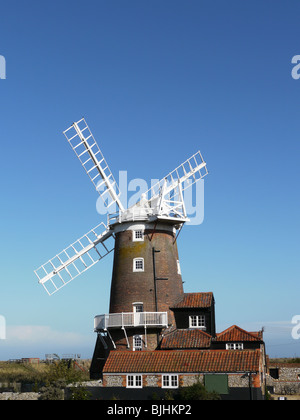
{"points": [[87, 150], [165, 199], [76, 259]]}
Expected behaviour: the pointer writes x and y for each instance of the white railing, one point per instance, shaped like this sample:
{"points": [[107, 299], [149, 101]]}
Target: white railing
{"points": [[131, 319], [131, 215]]}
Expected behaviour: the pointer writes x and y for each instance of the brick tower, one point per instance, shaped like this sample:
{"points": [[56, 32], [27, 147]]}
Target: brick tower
{"points": [[146, 280], [146, 283]]}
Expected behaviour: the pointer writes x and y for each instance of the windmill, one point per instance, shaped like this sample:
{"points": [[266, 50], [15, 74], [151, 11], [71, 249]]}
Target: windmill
{"points": [[146, 279]]}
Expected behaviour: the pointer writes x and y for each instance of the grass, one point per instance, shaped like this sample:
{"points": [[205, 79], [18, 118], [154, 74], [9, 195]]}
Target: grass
{"points": [[39, 373], [15, 372], [285, 360]]}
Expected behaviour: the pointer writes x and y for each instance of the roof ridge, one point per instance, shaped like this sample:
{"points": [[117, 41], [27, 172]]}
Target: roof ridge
{"points": [[189, 330], [144, 353], [254, 335]]}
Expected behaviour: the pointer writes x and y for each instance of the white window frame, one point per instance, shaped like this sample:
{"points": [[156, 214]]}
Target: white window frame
{"points": [[169, 381], [137, 342], [178, 267], [134, 381], [135, 261], [234, 346], [197, 321], [138, 235], [138, 307]]}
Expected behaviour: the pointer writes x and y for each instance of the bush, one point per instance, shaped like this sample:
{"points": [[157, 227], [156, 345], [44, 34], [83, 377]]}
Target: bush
{"points": [[80, 393], [197, 392], [59, 375], [53, 391], [64, 369]]}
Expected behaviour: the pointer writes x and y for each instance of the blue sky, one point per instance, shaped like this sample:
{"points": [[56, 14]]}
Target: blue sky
{"points": [[156, 81]]}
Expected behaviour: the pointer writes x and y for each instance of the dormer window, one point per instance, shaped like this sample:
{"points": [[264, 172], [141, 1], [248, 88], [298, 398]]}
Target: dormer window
{"points": [[197, 321], [234, 346]]}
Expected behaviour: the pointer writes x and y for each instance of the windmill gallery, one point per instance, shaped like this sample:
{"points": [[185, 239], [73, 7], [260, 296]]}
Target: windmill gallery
{"points": [[156, 337]]}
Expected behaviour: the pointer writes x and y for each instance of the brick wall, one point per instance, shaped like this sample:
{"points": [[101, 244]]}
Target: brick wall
{"points": [[288, 382], [185, 380]]}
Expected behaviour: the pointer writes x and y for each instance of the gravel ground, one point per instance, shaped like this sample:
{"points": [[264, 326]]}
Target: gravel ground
{"points": [[13, 396]]}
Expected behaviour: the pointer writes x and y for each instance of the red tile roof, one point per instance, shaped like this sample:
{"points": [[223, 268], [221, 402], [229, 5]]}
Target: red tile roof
{"points": [[186, 339], [235, 333], [195, 300], [182, 361]]}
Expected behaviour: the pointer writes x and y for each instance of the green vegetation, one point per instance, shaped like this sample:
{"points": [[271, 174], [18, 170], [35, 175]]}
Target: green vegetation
{"points": [[65, 370], [80, 394], [294, 360], [197, 392], [59, 375], [285, 360], [22, 373], [48, 379]]}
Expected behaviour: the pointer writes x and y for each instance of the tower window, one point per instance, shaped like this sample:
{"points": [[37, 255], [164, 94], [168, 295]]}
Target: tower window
{"points": [[138, 264], [137, 343], [178, 267], [138, 235], [138, 307]]}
